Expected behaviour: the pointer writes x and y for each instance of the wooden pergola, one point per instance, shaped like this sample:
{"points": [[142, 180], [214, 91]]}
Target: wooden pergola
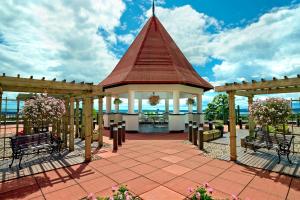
{"points": [[71, 92], [250, 89]]}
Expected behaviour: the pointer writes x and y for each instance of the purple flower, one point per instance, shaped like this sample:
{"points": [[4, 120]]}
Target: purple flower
{"points": [[234, 197], [114, 188], [206, 184], [91, 196]]}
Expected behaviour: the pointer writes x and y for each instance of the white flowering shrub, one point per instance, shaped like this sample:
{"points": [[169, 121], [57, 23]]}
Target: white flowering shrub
{"points": [[43, 108], [272, 111]]}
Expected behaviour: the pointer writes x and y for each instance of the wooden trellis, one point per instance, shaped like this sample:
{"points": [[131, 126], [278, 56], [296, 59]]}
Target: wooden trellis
{"points": [[250, 89], [69, 91]]}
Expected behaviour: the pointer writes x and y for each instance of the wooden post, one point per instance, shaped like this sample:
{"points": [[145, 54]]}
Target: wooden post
{"points": [[87, 127], [100, 121], [251, 121], [71, 135], [1, 92], [200, 138], [82, 134], [18, 115], [195, 133], [120, 133], [190, 131], [111, 123], [232, 120], [77, 118], [65, 123], [115, 137], [123, 131]]}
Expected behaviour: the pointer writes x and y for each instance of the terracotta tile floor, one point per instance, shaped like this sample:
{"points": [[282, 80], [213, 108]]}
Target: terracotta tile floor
{"points": [[155, 168]]}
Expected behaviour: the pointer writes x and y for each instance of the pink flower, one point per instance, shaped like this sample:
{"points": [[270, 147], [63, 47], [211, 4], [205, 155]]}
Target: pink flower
{"points": [[114, 188], [91, 196], [198, 195], [190, 189], [206, 184], [210, 190], [234, 197]]}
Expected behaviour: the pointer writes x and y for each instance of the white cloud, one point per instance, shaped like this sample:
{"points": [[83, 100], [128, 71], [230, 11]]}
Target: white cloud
{"points": [[266, 48], [126, 39], [59, 38]]}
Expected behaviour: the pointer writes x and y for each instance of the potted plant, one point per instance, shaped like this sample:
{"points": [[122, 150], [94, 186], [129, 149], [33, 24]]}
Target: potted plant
{"points": [[154, 100], [118, 101], [190, 102]]}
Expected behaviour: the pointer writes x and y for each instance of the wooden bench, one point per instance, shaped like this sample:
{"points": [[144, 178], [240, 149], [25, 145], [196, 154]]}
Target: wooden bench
{"points": [[25, 144], [280, 142]]}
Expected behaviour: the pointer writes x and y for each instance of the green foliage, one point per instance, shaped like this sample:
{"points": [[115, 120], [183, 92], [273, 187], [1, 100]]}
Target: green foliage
{"points": [[201, 193], [117, 101], [218, 108]]}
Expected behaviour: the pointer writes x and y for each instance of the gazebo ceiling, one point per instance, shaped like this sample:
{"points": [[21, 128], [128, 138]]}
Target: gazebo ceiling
{"points": [[154, 58]]}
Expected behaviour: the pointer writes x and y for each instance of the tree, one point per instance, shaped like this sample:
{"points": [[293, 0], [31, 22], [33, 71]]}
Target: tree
{"points": [[218, 109]]}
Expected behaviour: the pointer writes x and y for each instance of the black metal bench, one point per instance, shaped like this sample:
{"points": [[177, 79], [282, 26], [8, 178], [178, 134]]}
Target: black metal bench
{"points": [[280, 142], [25, 144]]}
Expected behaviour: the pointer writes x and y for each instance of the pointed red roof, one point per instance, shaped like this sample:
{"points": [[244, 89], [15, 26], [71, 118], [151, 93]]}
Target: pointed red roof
{"points": [[154, 58]]}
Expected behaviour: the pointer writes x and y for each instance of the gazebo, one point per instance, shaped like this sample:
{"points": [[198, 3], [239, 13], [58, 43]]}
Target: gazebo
{"points": [[153, 64]]}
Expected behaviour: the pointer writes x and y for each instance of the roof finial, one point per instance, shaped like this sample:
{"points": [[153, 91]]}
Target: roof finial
{"points": [[153, 8]]}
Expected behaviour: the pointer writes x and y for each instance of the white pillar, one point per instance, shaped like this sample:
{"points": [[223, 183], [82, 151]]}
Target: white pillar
{"points": [[167, 105], [199, 103], [131, 102], [140, 105], [175, 102], [116, 106], [108, 104]]}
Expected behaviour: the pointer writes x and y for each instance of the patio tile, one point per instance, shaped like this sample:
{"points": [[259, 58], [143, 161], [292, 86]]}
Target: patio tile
{"points": [[252, 193], [201, 159], [54, 184], [108, 169], [221, 195], [104, 193], [85, 175], [190, 163], [74, 192], [117, 159], [215, 171], [294, 192], [244, 169], [144, 159], [226, 186], [198, 177], [181, 185], [160, 176], [220, 163], [123, 175], [129, 163], [98, 184], [17, 183], [170, 151], [158, 154], [172, 159], [161, 193], [272, 183], [176, 169], [140, 185], [99, 163], [132, 154], [107, 154], [184, 155], [236, 177], [159, 163], [143, 169], [28, 192]]}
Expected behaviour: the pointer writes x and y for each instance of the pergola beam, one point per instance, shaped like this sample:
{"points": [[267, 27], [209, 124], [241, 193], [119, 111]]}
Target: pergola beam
{"points": [[264, 84], [268, 91]]}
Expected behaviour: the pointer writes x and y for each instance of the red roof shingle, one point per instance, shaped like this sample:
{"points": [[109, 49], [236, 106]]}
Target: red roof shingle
{"points": [[154, 58]]}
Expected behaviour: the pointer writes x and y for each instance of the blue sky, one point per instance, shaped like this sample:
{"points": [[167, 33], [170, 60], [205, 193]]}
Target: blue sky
{"points": [[82, 40]]}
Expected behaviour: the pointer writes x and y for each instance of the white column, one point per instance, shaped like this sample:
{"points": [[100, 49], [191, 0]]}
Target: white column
{"points": [[199, 103], [175, 102], [108, 104], [131, 102], [140, 105], [167, 105], [116, 106]]}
